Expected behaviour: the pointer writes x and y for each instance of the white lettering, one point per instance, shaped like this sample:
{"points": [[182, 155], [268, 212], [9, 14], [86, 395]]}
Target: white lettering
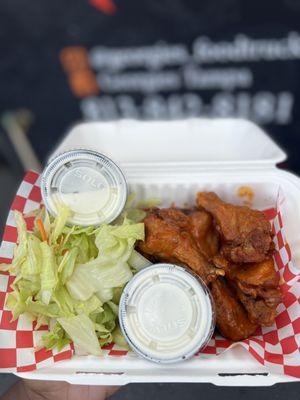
{"points": [[146, 82], [224, 78], [155, 56], [243, 48]]}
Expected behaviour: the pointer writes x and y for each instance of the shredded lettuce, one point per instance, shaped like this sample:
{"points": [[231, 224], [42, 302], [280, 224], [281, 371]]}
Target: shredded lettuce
{"points": [[107, 319], [135, 215], [148, 203], [82, 331], [71, 278], [118, 338], [56, 338], [36, 307], [110, 268], [135, 210], [137, 261], [16, 303], [31, 267], [59, 222], [89, 307], [20, 252], [91, 278], [105, 294], [48, 273], [67, 265], [63, 301]]}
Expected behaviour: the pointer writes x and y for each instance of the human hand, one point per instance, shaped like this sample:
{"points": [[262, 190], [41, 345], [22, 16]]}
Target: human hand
{"points": [[55, 390]]}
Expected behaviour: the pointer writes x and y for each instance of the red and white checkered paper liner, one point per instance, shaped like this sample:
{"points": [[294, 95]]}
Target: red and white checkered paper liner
{"points": [[276, 347]]}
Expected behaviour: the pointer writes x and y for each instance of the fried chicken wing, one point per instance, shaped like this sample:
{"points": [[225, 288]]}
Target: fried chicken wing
{"points": [[257, 274], [167, 238], [232, 320], [256, 286], [245, 233], [260, 310], [259, 280], [203, 231]]}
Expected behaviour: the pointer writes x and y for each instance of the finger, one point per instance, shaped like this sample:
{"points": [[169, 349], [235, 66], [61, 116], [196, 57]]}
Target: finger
{"points": [[79, 392], [46, 389]]}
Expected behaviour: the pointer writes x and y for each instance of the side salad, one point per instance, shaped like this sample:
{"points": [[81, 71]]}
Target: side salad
{"points": [[71, 278]]}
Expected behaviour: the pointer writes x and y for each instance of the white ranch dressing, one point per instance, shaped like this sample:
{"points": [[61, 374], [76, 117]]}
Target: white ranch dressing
{"points": [[166, 313], [89, 183]]}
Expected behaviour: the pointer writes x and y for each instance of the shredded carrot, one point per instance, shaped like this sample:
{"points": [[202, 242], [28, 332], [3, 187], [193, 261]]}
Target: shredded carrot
{"points": [[42, 230]]}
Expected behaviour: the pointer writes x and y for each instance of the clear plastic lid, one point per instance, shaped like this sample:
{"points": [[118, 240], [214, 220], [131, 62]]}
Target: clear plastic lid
{"points": [[166, 313], [89, 183]]}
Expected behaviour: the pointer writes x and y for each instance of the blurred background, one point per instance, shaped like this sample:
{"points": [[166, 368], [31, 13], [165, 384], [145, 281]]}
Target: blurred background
{"points": [[63, 62]]}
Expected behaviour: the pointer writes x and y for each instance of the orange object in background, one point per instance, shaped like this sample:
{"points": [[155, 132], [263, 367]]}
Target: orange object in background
{"points": [[106, 6], [74, 58], [81, 78], [83, 83]]}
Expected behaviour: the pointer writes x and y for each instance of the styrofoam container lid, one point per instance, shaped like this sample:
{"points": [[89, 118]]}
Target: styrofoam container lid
{"points": [[89, 183], [166, 313], [177, 145]]}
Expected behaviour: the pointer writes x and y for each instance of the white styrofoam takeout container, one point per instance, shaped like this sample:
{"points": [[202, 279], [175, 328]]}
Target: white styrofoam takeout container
{"points": [[173, 160]]}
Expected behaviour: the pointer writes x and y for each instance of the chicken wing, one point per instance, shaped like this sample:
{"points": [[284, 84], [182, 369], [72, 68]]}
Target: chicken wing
{"points": [[250, 275], [203, 231], [258, 309], [167, 238], [245, 233], [257, 287], [259, 280], [232, 320]]}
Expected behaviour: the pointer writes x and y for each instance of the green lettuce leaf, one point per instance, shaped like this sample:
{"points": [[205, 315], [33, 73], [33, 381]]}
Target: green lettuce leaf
{"points": [[56, 338], [117, 242], [117, 292], [20, 251], [137, 261], [31, 267], [114, 307], [149, 203], [28, 288], [64, 301], [48, 274], [59, 223], [90, 306], [80, 285], [135, 214], [41, 320], [118, 338], [110, 268], [105, 294], [106, 316], [16, 303], [90, 278], [36, 307], [67, 264], [81, 330]]}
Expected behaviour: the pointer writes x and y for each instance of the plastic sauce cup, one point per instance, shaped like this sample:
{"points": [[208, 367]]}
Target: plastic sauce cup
{"points": [[89, 183], [166, 313]]}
